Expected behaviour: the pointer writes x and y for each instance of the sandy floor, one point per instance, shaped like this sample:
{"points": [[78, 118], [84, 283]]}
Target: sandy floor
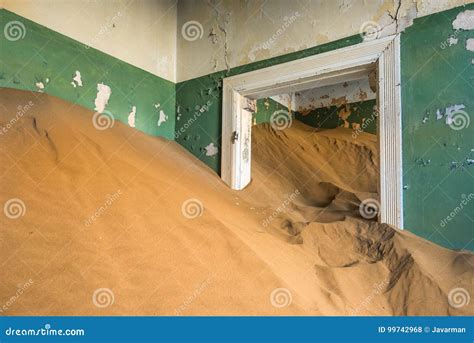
{"points": [[102, 228]]}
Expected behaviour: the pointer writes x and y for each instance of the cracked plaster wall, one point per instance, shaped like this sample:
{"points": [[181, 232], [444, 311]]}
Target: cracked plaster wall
{"points": [[234, 33]]}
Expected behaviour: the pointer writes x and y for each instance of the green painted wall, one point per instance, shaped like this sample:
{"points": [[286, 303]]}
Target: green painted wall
{"points": [[437, 168], [42, 54], [437, 171], [266, 108], [191, 95], [361, 115]]}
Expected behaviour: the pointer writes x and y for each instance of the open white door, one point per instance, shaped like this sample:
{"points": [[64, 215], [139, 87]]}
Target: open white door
{"points": [[241, 141], [327, 68]]}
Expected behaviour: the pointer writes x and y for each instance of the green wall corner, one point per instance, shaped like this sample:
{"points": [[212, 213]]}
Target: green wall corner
{"points": [[39, 54]]}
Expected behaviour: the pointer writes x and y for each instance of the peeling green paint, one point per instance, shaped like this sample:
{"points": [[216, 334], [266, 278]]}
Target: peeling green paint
{"points": [[436, 75], [208, 88], [362, 116], [44, 60]]}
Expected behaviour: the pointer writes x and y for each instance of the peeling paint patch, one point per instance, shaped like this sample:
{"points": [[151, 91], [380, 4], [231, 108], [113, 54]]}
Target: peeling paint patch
{"points": [[470, 44], [76, 80], [102, 98], [211, 150], [439, 115], [163, 117], [450, 111], [40, 86], [131, 116], [452, 41], [464, 20]]}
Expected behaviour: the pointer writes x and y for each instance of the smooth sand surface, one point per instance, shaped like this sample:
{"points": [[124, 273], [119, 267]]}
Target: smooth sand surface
{"points": [[104, 232]]}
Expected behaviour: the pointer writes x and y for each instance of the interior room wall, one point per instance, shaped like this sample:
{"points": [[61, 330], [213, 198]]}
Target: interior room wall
{"points": [[141, 33], [217, 35]]}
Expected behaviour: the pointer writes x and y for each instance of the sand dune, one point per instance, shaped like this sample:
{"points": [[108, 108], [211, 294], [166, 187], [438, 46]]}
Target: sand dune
{"points": [[104, 232]]}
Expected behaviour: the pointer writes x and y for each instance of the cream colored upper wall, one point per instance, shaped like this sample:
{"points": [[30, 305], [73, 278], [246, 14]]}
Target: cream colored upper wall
{"points": [[140, 32], [233, 33]]}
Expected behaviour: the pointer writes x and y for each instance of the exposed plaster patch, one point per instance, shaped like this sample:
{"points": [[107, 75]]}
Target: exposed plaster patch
{"points": [[76, 80], [464, 20], [102, 98], [40, 86], [452, 41], [163, 117], [451, 110], [470, 44], [131, 116], [211, 150]]}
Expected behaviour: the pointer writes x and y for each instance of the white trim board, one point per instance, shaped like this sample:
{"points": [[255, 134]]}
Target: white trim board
{"points": [[315, 71]]}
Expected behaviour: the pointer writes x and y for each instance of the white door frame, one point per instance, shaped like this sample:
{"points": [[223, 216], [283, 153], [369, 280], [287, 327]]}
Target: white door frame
{"points": [[323, 69]]}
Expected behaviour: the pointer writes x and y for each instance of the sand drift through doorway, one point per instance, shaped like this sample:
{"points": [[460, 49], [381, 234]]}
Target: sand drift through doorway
{"points": [[328, 68]]}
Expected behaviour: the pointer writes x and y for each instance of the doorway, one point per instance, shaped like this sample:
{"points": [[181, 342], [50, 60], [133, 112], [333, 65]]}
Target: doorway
{"points": [[342, 65]]}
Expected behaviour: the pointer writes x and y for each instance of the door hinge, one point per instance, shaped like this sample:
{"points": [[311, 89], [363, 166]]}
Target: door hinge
{"points": [[235, 137]]}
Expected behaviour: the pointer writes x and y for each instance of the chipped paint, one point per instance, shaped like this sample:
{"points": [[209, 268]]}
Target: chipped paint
{"points": [[464, 20], [102, 98], [40, 86], [211, 150], [470, 44], [131, 116], [452, 41], [163, 118], [450, 111], [77, 80]]}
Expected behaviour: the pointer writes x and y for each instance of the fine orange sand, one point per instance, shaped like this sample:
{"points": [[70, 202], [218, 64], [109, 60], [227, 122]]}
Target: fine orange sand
{"points": [[103, 231]]}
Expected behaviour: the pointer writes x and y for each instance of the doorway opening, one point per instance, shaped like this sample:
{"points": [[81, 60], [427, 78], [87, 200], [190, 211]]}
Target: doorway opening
{"points": [[334, 67]]}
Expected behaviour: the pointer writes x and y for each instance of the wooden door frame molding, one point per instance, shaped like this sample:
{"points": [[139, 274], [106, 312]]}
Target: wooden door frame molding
{"points": [[316, 71]]}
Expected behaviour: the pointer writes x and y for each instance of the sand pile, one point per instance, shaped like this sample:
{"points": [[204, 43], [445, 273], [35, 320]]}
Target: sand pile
{"points": [[115, 222]]}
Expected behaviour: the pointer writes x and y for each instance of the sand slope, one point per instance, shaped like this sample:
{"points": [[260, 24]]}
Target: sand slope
{"points": [[316, 252]]}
